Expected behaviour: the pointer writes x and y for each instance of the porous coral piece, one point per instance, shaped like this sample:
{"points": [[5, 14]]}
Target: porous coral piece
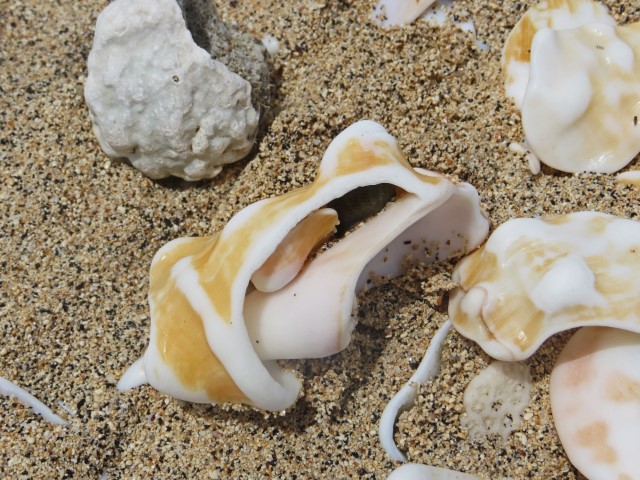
{"points": [[495, 399], [158, 99]]}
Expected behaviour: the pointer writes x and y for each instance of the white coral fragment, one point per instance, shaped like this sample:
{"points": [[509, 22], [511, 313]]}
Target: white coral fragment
{"points": [[495, 399], [427, 370], [161, 101], [10, 389]]}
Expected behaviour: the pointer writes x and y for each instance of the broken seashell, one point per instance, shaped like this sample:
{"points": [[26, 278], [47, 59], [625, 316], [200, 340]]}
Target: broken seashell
{"points": [[403, 400], [534, 278], [10, 389], [393, 13], [555, 14], [415, 471], [595, 395], [212, 336], [581, 108]]}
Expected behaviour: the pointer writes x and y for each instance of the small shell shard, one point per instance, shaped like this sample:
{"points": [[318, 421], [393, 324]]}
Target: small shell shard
{"points": [[212, 338], [629, 178], [534, 278], [394, 13], [555, 14], [10, 389], [427, 370], [415, 471], [595, 400]]}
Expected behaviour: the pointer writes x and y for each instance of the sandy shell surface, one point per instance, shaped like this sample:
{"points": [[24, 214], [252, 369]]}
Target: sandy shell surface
{"points": [[78, 231]]}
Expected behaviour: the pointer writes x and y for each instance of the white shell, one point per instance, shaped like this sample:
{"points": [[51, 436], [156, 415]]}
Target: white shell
{"points": [[555, 14], [403, 400], [415, 471], [595, 400], [534, 278], [582, 106], [211, 335], [575, 76]]}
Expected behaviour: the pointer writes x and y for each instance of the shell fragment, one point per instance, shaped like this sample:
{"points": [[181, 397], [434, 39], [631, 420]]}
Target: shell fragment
{"points": [[534, 278]]}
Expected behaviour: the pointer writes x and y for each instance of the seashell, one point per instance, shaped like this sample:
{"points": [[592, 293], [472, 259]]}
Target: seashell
{"points": [[10, 389], [393, 13], [555, 14], [595, 395], [581, 108], [415, 471], [495, 399], [533, 278], [214, 337], [629, 178]]}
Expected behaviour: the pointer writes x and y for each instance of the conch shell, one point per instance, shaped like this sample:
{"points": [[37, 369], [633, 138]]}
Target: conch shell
{"points": [[224, 307], [534, 278], [595, 395]]}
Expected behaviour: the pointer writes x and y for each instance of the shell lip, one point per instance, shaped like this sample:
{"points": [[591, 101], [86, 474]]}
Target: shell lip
{"points": [[476, 304]]}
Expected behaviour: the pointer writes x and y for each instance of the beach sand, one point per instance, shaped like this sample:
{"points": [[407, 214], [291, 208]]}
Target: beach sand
{"points": [[78, 232]]}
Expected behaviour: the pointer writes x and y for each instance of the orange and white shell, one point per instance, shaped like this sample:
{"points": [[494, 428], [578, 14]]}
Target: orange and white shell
{"points": [[575, 76], [225, 307], [595, 400], [534, 278], [548, 14]]}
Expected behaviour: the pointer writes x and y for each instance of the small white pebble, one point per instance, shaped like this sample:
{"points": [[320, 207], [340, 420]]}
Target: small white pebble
{"points": [[271, 43], [629, 178]]}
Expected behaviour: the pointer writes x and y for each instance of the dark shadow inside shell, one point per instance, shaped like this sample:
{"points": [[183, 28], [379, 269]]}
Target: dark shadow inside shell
{"points": [[361, 203]]}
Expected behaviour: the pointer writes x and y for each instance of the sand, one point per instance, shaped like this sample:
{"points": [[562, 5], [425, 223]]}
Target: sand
{"points": [[78, 232]]}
